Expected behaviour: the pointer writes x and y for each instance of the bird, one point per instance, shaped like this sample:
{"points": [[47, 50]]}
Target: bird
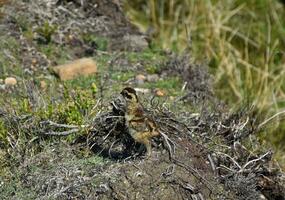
{"points": [[140, 126]]}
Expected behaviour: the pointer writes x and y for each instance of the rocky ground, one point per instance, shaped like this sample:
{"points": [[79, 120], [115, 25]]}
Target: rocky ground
{"points": [[60, 138]]}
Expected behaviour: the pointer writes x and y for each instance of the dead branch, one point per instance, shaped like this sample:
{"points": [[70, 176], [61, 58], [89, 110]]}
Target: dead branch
{"points": [[269, 153], [63, 133], [51, 123]]}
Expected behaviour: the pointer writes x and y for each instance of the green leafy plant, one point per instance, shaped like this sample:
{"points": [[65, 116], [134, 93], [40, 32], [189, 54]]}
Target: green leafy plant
{"points": [[46, 31]]}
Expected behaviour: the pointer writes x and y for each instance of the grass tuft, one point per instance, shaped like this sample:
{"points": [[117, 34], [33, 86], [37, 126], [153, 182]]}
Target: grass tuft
{"points": [[243, 42]]}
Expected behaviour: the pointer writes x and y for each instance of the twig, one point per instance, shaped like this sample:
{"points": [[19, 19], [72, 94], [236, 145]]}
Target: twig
{"points": [[254, 160], [63, 133], [110, 132], [58, 125], [270, 118], [212, 163], [110, 149], [227, 168], [233, 160], [167, 139], [244, 124]]}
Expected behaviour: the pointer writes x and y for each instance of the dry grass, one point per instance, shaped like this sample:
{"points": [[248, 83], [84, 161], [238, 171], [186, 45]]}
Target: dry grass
{"points": [[242, 41], [3, 2]]}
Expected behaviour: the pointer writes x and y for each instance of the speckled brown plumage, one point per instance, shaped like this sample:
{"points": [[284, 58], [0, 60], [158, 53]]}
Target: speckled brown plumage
{"points": [[140, 126]]}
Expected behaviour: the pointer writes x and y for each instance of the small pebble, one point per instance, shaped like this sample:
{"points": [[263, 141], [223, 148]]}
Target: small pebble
{"points": [[43, 85], [2, 87], [34, 62], [140, 79], [159, 93], [10, 81]]}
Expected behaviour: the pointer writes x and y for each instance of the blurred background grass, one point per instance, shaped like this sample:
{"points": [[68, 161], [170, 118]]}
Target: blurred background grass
{"points": [[242, 41]]}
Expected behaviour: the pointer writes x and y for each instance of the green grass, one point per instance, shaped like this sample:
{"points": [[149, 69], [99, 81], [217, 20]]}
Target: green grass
{"points": [[172, 85], [147, 55], [100, 42], [122, 76], [55, 52], [9, 58]]}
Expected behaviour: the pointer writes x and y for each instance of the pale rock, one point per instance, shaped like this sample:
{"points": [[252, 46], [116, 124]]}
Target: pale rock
{"points": [[140, 78], [43, 85], [80, 67], [159, 93], [152, 78], [34, 62], [10, 81], [2, 87]]}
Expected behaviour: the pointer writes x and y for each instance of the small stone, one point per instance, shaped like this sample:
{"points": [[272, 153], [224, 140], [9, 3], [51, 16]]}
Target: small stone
{"points": [[70, 37], [2, 87], [10, 81], [43, 85], [159, 93], [172, 98], [140, 79], [152, 78], [34, 62]]}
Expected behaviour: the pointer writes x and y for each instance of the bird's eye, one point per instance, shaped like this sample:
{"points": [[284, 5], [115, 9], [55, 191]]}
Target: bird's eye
{"points": [[128, 96]]}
